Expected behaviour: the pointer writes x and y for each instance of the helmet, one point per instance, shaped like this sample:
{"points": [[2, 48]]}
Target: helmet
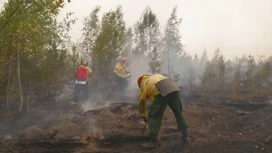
{"points": [[123, 59], [140, 78], [83, 63]]}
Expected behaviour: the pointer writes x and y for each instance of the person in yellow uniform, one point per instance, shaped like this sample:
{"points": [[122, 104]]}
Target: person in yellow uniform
{"points": [[162, 92], [122, 72], [81, 85]]}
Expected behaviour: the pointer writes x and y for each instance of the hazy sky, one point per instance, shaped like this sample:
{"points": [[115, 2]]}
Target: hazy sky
{"points": [[237, 27]]}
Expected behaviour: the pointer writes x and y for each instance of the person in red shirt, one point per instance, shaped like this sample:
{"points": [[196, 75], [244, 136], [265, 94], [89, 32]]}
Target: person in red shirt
{"points": [[81, 83]]}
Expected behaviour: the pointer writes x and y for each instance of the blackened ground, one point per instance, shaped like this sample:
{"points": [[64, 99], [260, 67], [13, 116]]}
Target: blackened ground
{"points": [[113, 125]]}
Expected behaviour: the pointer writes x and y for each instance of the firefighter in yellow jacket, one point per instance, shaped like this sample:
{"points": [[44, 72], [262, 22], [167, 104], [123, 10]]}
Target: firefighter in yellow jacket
{"points": [[122, 73], [162, 92]]}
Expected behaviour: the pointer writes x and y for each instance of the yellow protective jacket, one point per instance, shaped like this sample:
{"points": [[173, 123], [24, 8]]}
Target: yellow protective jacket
{"points": [[148, 90], [120, 70]]}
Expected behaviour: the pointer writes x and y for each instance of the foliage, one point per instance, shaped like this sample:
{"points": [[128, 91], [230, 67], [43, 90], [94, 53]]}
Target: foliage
{"points": [[172, 47], [214, 75], [38, 58], [30, 41], [128, 44], [155, 63], [147, 39], [90, 32], [108, 45]]}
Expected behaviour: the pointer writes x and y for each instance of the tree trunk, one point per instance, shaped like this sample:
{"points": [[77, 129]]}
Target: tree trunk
{"points": [[191, 80], [28, 95], [9, 75], [168, 62], [19, 81]]}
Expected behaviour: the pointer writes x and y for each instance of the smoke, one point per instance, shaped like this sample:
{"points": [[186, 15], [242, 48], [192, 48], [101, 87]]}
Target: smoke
{"points": [[95, 102], [184, 69], [92, 128], [270, 99], [138, 66], [188, 69], [100, 99]]}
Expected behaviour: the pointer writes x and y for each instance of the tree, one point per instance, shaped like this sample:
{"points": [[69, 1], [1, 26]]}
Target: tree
{"points": [[54, 74], [250, 73], [147, 38], [24, 27], [266, 74], [26, 31], [16, 7], [204, 59], [155, 65], [90, 31], [108, 45], [128, 44], [188, 70], [222, 69], [214, 76], [172, 42]]}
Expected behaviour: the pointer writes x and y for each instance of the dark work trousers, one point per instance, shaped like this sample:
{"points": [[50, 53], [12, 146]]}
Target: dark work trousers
{"points": [[157, 109], [122, 83], [81, 92]]}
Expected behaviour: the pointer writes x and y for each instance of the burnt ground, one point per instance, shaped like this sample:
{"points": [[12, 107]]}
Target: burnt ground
{"points": [[112, 125]]}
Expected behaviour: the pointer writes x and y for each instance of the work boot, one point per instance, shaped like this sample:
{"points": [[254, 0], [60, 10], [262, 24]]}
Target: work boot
{"points": [[185, 137], [153, 143]]}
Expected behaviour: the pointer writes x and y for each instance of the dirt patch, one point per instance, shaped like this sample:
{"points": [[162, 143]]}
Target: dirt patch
{"points": [[214, 127]]}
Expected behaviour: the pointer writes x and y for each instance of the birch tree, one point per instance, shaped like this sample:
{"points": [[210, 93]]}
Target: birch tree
{"points": [[24, 30]]}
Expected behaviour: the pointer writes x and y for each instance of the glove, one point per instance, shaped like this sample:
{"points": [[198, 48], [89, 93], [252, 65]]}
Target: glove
{"points": [[128, 75], [122, 76]]}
